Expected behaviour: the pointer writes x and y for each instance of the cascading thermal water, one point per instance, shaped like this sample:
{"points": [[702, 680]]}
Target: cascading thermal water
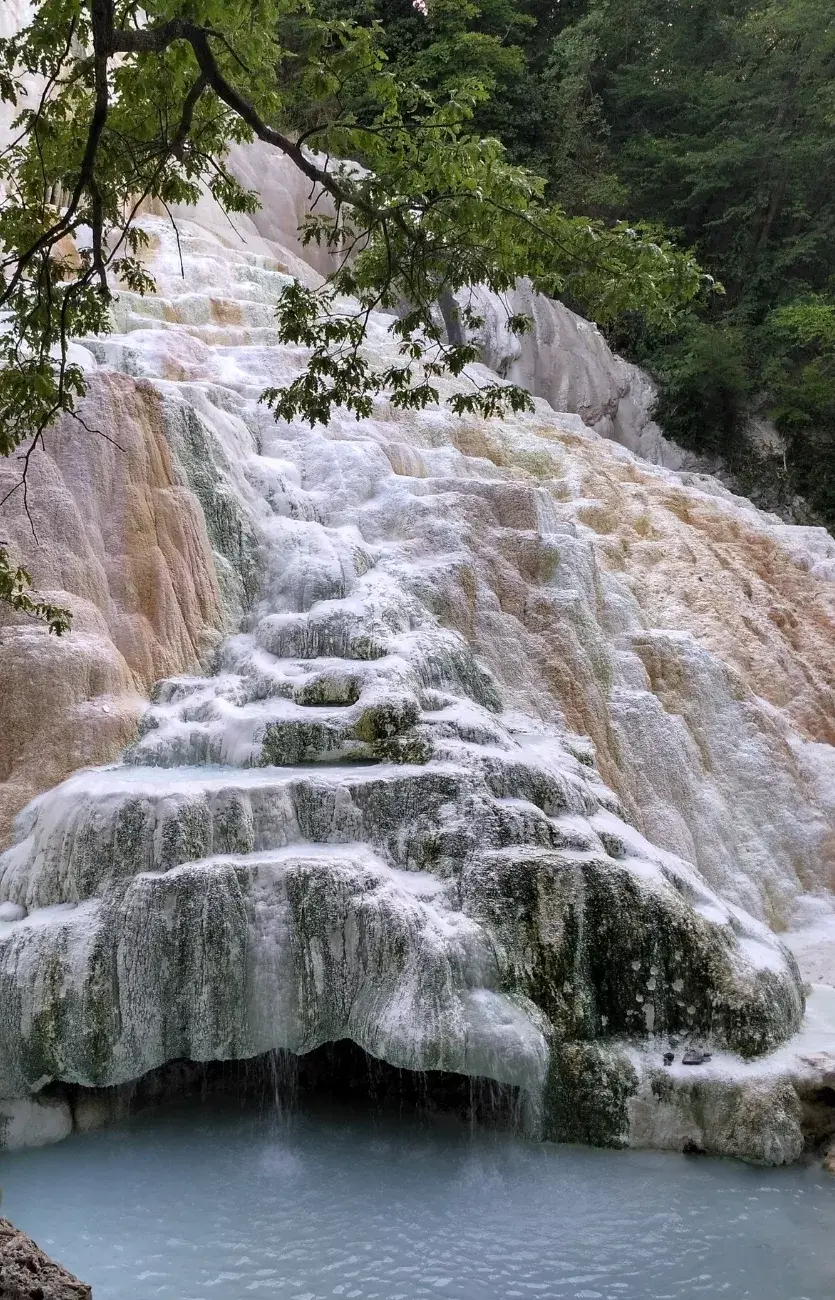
{"points": [[485, 763], [343, 831]]}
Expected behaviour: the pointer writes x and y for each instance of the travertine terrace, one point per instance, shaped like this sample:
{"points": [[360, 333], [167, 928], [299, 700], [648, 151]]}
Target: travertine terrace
{"points": [[498, 750]]}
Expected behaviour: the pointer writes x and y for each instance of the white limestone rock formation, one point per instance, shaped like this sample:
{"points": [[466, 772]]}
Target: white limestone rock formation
{"points": [[487, 663], [34, 1122], [356, 827], [686, 633], [139, 534], [565, 360]]}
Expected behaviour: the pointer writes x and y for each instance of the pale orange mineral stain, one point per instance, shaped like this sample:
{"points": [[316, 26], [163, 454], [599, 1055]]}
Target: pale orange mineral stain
{"points": [[125, 547]]}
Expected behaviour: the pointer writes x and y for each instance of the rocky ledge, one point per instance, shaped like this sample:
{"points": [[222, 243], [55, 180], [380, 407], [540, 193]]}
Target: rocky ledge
{"points": [[26, 1273]]}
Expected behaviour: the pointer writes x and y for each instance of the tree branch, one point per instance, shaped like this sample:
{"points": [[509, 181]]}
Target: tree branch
{"points": [[155, 40]]}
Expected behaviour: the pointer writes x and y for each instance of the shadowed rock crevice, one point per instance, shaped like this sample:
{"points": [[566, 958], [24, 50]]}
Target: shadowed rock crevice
{"points": [[337, 1074]]}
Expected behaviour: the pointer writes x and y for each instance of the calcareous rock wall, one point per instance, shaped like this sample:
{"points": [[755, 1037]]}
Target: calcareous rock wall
{"points": [[500, 750], [113, 528]]}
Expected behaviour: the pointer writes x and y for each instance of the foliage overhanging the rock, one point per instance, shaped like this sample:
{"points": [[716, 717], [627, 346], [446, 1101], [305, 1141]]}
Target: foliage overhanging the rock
{"points": [[143, 100]]}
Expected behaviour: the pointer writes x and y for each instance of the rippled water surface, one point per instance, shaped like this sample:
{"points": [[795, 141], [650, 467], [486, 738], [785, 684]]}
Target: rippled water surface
{"points": [[219, 1204]]}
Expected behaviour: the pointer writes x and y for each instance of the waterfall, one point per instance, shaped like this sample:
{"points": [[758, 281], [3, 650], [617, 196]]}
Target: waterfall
{"points": [[341, 832]]}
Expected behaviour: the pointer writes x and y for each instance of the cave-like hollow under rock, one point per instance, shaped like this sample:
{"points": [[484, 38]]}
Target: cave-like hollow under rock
{"points": [[337, 1075]]}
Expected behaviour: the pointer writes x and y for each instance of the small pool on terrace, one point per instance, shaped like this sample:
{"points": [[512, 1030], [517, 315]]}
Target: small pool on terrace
{"points": [[214, 1201]]}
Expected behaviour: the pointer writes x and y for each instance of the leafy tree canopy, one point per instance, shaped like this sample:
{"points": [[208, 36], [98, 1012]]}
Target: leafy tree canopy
{"points": [[143, 98], [714, 120], [718, 120]]}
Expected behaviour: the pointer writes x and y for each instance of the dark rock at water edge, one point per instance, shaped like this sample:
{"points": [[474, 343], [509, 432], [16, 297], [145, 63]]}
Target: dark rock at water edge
{"points": [[26, 1273], [695, 1056]]}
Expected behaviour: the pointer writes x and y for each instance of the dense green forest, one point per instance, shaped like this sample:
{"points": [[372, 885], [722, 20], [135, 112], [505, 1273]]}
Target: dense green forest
{"points": [[713, 121]]}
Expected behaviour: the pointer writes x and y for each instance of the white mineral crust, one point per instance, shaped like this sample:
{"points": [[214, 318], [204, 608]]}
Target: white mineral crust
{"points": [[520, 748]]}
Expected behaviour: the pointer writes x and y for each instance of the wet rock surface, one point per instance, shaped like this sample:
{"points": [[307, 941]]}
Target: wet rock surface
{"points": [[351, 829], [410, 803], [695, 1056]]}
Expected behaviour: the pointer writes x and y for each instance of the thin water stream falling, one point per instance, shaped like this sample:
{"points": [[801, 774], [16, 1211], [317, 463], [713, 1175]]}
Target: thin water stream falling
{"points": [[225, 1201]]}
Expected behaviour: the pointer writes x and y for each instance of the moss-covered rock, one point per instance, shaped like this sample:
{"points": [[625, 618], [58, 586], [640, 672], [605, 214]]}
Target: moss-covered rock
{"points": [[586, 1095]]}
